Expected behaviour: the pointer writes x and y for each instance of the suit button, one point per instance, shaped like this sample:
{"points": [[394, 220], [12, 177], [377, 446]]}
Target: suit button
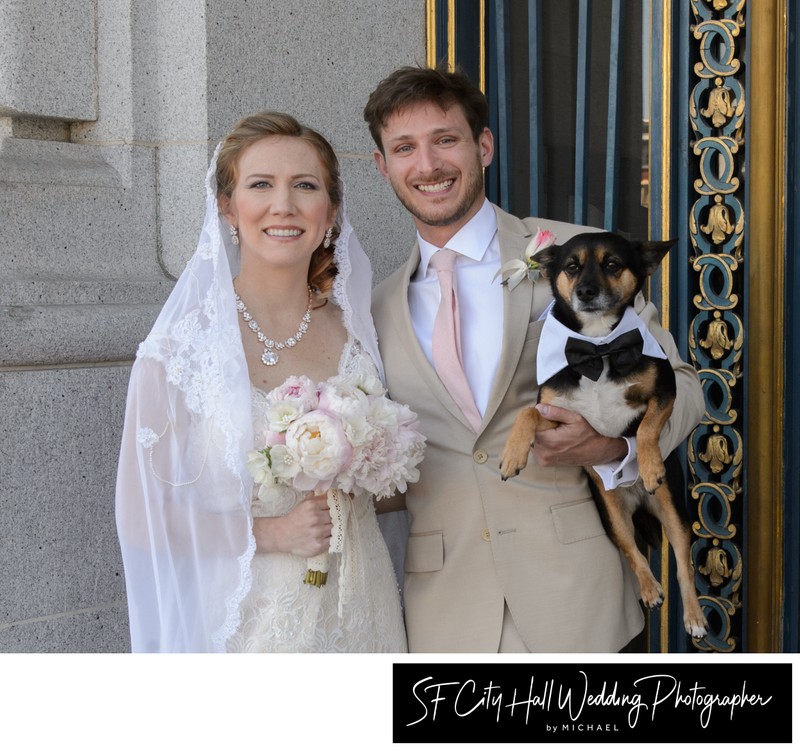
{"points": [[486, 535], [480, 456]]}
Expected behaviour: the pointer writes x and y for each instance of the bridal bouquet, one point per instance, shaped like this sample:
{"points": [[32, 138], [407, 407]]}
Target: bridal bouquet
{"points": [[341, 436]]}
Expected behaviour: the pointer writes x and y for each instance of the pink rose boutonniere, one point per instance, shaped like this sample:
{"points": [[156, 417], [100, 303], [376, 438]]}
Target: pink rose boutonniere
{"points": [[515, 271]]}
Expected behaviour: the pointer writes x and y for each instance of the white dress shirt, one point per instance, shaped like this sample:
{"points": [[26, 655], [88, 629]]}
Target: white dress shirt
{"points": [[480, 300]]}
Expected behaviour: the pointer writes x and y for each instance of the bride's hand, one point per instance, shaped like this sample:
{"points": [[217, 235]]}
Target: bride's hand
{"points": [[304, 531]]}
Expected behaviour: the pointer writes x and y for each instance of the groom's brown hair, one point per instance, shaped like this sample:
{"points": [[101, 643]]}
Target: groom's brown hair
{"points": [[414, 85]]}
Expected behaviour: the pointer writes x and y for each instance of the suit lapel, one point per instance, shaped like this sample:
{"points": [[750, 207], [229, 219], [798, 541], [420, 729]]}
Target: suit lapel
{"points": [[513, 237]]}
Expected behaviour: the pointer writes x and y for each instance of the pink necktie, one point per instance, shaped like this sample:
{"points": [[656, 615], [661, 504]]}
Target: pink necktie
{"points": [[447, 339]]}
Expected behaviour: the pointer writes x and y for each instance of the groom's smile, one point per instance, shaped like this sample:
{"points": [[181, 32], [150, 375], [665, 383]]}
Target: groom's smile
{"points": [[436, 187]]}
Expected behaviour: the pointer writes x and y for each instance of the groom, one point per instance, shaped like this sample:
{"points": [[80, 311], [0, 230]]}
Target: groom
{"points": [[491, 566]]}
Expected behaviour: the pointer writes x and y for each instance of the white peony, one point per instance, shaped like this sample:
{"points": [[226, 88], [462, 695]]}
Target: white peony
{"points": [[318, 443]]}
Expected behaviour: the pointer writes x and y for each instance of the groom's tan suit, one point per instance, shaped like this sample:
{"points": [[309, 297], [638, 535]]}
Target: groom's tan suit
{"points": [[534, 542]]}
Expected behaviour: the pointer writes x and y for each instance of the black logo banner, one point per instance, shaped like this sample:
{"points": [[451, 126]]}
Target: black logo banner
{"points": [[603, 703]]}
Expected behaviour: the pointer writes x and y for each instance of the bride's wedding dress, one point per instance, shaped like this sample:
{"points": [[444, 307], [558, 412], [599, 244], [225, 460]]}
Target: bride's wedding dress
{"points": [[357, 610]]}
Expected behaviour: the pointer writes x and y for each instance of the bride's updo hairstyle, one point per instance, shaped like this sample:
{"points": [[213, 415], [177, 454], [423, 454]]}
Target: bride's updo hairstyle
{"points": [[322, 269]]}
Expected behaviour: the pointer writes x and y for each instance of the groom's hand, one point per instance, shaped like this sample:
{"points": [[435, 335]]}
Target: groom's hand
{"points": [[574, 441]]}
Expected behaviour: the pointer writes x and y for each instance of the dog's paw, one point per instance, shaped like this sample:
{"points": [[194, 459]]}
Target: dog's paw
{"points": [[651, 487], [652, 595], [694, 620], [653, 478], [513, 460], [696, 630]]}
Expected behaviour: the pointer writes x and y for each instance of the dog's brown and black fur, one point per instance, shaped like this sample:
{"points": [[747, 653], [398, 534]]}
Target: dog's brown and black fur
{"points": [[594, 278]]}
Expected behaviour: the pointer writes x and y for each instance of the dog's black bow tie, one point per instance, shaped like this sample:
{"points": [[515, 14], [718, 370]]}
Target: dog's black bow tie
{"points": [[623, 354]]}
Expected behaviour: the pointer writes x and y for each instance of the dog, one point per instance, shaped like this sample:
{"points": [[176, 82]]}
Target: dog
{"points": [[625, 387]]}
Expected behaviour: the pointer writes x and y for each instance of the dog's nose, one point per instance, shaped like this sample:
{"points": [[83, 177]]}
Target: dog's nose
{"points": [[586, 292]]}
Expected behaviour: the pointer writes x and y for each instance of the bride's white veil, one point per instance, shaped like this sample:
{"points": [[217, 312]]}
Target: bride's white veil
{"points": [[183, 490]]}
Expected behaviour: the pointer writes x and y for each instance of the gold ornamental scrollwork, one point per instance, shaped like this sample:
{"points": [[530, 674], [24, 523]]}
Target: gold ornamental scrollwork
{"points": [[717, 341], [717, 110], [719, 225]]}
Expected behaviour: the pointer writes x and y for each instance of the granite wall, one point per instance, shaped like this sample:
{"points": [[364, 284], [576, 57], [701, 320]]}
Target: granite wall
{"points": [[109, 110]]}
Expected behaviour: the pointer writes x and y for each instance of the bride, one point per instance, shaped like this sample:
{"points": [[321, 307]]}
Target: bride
{"points": [[277, 292]]}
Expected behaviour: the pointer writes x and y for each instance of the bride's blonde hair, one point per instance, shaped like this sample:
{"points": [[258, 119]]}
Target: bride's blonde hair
{"points": [[322, 270]]}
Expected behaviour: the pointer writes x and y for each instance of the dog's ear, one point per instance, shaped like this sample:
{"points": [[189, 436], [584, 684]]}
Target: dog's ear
{"points": [[652, 252], [545, 258]]}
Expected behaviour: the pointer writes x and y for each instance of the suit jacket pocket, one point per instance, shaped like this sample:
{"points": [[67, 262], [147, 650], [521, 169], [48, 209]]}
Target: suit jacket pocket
{"points": [[577, 521], [424, 552]]}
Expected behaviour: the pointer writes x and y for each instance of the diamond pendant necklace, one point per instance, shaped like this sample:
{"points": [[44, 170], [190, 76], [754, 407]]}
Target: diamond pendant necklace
{"points": [[270, 356]]}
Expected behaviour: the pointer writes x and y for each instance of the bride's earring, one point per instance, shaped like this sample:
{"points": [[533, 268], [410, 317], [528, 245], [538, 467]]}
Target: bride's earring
{"points": [[326, 243], [234, 234]]}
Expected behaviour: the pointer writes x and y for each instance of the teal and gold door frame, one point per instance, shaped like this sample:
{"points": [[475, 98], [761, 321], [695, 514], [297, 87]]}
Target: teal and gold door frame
{"points": [[729, 68], [714, 175], [711, 205]]}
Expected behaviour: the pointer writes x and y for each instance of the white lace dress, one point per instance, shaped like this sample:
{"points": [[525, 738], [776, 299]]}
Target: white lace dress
{"points": [[283, 614]]}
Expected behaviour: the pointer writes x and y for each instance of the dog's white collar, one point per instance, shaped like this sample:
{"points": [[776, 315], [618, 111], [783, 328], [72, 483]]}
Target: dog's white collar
{"points": [[550, 358]]}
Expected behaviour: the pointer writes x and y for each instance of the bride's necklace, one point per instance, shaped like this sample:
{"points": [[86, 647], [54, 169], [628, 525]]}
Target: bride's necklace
{"points": [[270, 356]]}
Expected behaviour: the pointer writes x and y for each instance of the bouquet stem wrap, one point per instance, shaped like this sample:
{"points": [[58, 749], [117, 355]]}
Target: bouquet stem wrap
{"points": [[319, 565]]}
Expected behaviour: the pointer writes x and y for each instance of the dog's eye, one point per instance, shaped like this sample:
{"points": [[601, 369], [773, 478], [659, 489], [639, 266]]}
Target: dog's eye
{"points": [[612, 266], [572, 268]]}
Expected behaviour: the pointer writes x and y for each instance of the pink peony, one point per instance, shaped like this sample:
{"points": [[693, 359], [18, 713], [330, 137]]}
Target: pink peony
{"points": [[296, 389]]}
